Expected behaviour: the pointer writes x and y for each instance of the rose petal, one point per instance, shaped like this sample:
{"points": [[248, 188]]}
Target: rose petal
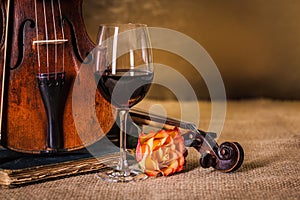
{"points": [[144, 137], [151, 164], [151, 173], [161, 152], [171, 169], [181, 161]]}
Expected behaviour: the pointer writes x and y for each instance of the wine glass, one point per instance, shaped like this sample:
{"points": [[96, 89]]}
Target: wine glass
{"points": [[123, 72]]}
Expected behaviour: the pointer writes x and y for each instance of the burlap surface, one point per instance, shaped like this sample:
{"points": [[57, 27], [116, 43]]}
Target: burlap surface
{"points": [[269, 132]]}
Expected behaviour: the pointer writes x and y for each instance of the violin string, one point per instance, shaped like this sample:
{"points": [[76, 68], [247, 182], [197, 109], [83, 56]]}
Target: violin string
{"points": [[55, 37], [37, 38], [46, 35], [63, 35]]}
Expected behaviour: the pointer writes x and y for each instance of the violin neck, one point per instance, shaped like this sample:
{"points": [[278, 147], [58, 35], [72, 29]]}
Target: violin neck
{"points": [[142, 117]]}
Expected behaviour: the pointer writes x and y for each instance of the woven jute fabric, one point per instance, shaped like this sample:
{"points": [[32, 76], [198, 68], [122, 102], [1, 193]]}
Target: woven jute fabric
{"points": [[269, 132]]}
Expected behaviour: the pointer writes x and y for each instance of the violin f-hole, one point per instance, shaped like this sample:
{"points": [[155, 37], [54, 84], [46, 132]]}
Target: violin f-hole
{"points": [[88, 59], [21, 42]]}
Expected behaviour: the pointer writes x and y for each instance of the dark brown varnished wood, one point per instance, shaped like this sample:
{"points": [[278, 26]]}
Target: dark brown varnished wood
{"points": [[24, 118]]}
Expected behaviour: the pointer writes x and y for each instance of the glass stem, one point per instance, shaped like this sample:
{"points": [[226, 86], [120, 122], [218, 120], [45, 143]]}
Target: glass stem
{"points": [[123, 164]]}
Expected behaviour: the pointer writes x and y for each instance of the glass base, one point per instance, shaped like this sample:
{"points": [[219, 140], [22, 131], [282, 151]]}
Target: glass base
{"points": [[115, 176]]}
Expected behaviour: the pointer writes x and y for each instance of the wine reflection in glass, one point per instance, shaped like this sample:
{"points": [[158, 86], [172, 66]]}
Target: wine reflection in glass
{"points": [[124, 72]]}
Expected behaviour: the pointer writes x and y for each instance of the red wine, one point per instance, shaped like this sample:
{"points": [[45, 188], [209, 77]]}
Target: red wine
{"points": [[125, 88]]}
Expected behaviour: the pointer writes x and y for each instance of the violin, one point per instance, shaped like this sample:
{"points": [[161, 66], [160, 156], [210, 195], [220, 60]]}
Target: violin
{"points": [[226, 157], [42, 46]]}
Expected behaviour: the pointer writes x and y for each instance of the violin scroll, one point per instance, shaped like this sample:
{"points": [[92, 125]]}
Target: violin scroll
{"points": [[227, 157]]}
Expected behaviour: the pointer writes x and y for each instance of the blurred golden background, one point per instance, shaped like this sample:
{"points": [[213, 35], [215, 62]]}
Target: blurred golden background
{"points": [[254, 43]]}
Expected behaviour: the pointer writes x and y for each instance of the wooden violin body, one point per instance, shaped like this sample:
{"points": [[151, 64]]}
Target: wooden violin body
{"points": [[43, 44]]}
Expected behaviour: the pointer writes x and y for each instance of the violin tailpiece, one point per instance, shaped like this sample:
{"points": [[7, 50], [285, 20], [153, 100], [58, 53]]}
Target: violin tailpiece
{"points": [[51, 88]]}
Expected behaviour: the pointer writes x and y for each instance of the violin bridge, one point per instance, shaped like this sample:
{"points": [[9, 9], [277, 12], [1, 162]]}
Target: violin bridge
{"points": [[43, 42]]}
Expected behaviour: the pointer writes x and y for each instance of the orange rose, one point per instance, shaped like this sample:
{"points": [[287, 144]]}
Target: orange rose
{"points": [[161, 152]]}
